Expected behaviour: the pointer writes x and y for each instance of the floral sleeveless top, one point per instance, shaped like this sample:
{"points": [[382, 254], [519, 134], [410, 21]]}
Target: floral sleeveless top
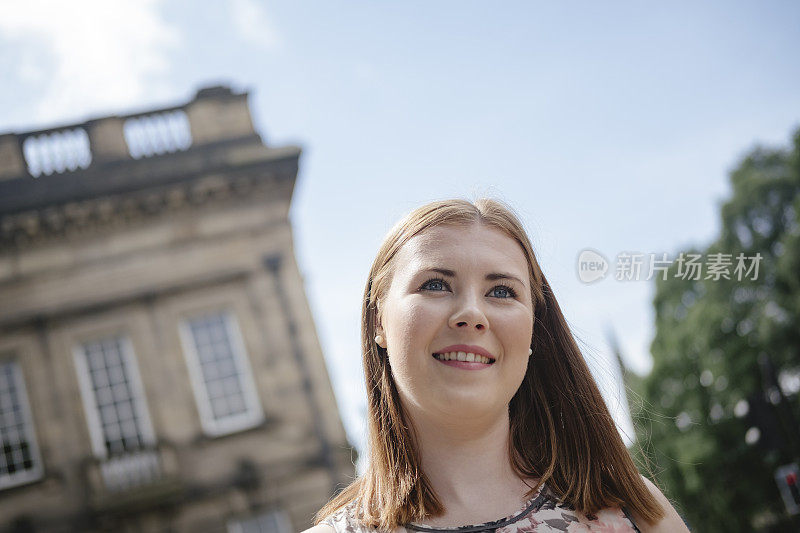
{"points": [[543, 513]]}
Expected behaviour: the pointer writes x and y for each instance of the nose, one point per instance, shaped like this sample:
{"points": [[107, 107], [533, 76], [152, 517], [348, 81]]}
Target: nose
{"points": [[468, 314]]}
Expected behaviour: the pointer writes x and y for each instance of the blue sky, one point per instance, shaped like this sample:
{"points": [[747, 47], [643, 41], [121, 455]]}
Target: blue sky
{"points": [[609, 126]]}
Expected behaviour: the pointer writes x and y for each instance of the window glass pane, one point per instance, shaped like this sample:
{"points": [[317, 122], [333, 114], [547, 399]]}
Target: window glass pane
{"points": [[114, 395], [18, 456], [221, 376]]}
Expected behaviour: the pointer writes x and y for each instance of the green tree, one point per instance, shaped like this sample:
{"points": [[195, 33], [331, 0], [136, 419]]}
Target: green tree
{"points": [[714, 338]]}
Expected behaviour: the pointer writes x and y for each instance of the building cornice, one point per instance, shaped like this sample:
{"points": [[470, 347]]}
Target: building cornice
{"points": [[120, 170], [271, 178]]}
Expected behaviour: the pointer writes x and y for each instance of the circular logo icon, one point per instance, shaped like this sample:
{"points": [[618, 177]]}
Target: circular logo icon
{"points": [[592, 266]]}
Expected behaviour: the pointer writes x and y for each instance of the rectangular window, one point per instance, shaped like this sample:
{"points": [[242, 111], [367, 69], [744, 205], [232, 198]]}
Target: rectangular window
{"points": [[221, 378], [19, 461], [269, 522], [113, 396]]}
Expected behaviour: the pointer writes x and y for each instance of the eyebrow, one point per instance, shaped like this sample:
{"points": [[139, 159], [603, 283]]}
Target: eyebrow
{"points": [[493, 276]]}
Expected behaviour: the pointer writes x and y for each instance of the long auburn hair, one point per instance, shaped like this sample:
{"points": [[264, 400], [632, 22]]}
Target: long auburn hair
{"points": [[561, 430]]}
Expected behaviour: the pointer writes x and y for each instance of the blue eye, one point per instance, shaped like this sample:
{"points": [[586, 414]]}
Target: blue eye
{"points": [[436, 284], [503, 291]]}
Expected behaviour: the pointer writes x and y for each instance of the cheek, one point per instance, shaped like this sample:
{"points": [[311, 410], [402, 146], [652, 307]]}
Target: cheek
{"points": [[410, 330], [516, 328], [408, 324]]}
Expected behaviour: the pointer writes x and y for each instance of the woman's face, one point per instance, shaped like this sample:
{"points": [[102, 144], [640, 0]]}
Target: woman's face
{"points": [[458, 289]]}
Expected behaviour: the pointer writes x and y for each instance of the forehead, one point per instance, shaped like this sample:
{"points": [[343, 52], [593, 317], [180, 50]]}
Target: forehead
{"points": [[477, 244]]}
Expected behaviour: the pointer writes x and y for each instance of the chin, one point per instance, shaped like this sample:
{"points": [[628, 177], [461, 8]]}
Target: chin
{"points": [[471, 403]]}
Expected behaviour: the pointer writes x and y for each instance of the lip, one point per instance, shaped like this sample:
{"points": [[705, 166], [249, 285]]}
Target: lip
{"points": [[468, 349]]}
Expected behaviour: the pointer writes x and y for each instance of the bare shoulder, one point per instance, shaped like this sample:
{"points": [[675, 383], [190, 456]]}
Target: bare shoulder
{"points": [[671, 522], [320, 528]]}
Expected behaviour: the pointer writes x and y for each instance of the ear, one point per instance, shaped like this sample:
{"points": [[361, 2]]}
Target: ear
{"points": [[378, 326], [382, 344], [380, 338]]}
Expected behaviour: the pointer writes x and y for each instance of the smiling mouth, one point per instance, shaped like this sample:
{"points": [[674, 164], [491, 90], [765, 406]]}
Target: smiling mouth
{"points": [[467, 357]]}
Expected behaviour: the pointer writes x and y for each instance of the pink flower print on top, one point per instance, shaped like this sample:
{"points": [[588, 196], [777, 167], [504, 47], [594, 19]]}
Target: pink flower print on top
{"points": [[611, 520], [526, 525]]}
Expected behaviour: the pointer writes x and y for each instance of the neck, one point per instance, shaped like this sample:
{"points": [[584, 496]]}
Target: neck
{"points": [[467, 461]]}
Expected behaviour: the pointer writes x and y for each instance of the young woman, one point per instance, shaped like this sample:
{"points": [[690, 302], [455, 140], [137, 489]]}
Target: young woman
{"points": [[482, 413]]}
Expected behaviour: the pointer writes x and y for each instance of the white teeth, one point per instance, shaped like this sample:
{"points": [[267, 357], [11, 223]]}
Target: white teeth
{"points": [[462, 356]]}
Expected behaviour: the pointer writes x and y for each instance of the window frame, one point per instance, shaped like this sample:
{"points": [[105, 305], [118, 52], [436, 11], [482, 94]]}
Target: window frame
{"points": [[254, 413], [89, 398], [29, 432]]}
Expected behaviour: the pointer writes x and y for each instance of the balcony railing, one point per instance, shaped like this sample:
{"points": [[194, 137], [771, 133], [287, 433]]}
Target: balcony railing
{"points": [[58, 151], [215, 114], [141, 469], [131, 470], [157, 133]]}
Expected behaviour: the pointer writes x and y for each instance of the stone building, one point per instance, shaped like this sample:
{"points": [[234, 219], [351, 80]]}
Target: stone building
{"points": [[159, 365]]}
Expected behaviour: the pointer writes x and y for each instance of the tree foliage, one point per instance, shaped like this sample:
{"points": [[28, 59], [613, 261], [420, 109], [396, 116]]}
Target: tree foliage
{"points": [[714, 341]]}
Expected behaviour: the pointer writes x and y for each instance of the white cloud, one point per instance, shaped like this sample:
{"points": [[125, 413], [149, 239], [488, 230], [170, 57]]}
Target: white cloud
{"points": [[88, 57], [253, 24]]}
